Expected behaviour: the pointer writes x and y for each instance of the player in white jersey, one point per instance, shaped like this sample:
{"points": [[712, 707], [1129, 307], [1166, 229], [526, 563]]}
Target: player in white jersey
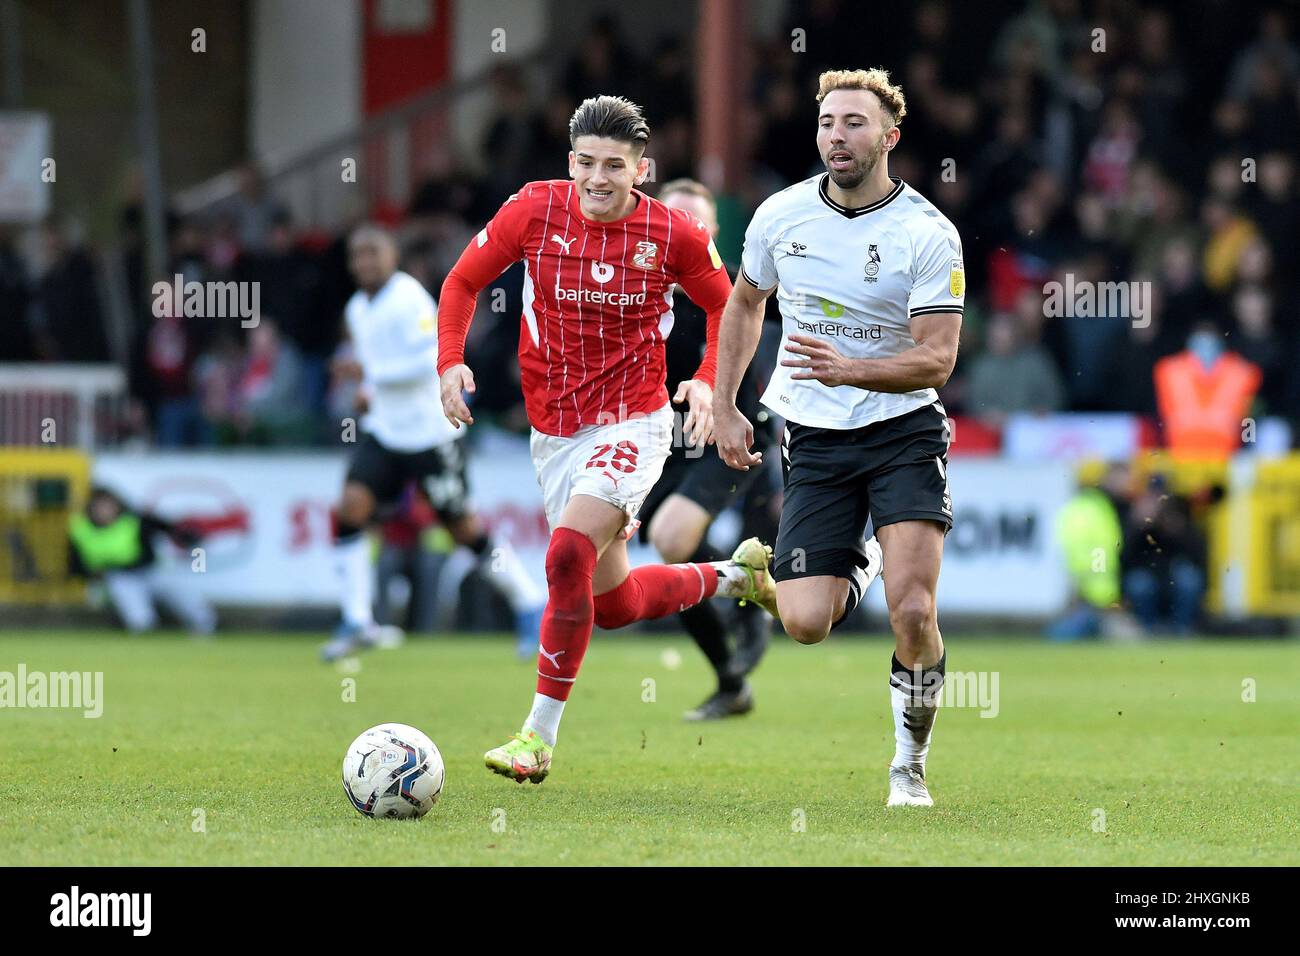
{"points": [[871, 285], [392, 321]]}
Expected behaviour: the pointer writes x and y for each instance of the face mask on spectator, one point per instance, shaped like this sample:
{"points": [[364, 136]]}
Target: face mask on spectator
{"points": [[1206, 346]]}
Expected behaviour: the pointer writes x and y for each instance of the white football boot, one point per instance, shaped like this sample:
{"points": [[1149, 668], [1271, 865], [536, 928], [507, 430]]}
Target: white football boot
{"points": [[907, 788]]}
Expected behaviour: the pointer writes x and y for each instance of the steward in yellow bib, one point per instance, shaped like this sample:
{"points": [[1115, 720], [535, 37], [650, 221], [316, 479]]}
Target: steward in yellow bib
{"points": [[1090, 533], [112, 543]]}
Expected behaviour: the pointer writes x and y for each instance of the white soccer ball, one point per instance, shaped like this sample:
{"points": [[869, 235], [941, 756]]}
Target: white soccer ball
{"points": [[393, 771]]}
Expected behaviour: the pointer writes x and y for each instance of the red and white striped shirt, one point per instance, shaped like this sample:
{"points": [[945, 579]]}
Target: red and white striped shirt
{"points": [[598, 301]]}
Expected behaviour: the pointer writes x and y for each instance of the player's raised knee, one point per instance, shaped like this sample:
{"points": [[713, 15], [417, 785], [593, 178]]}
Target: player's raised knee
{"points": [[570, 556], [804, 627], [807, 635]]}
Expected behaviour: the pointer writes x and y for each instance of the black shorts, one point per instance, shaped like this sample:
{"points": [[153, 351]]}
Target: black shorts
{"points": [[706, 480], [890, 471], [439, 471]]}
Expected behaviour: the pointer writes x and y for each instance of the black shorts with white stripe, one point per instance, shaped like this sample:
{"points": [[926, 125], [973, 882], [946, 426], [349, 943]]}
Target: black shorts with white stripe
{"points": [[439, 471], [835, 479]]}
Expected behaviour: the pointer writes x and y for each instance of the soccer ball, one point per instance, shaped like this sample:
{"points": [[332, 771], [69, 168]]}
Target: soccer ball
{"points": [[393, 771]]}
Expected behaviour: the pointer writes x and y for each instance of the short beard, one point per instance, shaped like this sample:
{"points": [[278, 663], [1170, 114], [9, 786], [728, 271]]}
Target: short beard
{"points": [[851, 179]]}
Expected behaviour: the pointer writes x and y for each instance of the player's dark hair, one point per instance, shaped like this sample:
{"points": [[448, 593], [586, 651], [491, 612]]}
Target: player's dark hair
{"points": [[102, 491], [610, 117]]}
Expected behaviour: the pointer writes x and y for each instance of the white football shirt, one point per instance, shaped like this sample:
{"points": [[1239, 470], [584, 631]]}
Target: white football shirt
{"points": [[395, 335], [854, 278]]}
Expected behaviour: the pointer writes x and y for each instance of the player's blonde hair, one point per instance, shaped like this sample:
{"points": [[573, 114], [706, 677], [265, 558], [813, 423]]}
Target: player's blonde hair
{"points": [[690, 187], [873, 81]]}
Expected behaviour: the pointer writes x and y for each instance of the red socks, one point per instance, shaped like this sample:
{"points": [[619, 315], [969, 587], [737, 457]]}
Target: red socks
{"points": [[566, 623], [652, 591], [655, 590]]}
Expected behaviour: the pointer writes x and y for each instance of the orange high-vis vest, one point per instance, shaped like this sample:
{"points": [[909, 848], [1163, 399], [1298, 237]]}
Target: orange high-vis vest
{"points": [[1202, 409]]}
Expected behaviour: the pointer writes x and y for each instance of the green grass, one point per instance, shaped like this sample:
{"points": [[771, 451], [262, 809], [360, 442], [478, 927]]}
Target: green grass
{"points": [[251, 730]]}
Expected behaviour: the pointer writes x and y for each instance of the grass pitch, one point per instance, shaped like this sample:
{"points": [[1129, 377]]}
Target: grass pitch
{"points": [[228, 752]]}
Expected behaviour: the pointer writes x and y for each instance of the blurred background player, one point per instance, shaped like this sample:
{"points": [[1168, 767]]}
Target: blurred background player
{"points": [[696, 487], [115, 544], [392, 322], [602, 261], [407, 563]]}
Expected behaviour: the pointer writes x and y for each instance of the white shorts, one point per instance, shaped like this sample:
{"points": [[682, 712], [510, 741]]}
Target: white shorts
{"points": [[618, 463]]}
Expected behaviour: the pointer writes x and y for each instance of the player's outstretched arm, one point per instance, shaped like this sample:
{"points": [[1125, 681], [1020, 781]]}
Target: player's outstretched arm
{"points": [[488, 254], [702, 276], [473, 271], [738, 335], [741, 326]]}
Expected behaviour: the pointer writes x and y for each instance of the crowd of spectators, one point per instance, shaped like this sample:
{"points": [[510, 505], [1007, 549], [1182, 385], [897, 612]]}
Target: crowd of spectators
{"points": [[1095, 142]]}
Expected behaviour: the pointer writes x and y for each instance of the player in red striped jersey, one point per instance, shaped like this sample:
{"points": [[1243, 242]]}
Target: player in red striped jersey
{"points": [[602, 259]]}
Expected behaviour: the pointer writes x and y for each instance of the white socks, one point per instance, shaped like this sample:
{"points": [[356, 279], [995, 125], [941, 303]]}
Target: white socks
{"points": [[544, 718], [352, 564], [733, 580], [910, 746], [915, 697]]}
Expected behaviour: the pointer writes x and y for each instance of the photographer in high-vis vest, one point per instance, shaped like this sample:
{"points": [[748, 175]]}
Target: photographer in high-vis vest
{"points": [[111, 542], [1203, 395]]}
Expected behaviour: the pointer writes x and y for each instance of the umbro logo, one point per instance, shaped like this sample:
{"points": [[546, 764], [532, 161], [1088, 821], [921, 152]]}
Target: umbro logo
{"points": [[562, 243]]}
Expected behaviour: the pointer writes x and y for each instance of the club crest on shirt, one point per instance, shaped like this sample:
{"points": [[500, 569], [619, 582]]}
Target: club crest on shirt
{"points": [[873, 263], [645, 255]]}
